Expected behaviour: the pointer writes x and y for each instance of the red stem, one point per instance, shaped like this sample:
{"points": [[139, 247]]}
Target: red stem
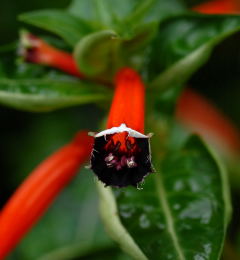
{"points": [[38, 191]]}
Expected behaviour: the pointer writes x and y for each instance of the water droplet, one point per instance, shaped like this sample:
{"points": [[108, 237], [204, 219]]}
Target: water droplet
{"points": [[161, 226], [194, 185], [176, 206], [127, 193], [178, 185], [185, 226], [126, 211], [148, 208], [144, 221], [207, 249], [199, 209], [199, 257], [204, 255]]}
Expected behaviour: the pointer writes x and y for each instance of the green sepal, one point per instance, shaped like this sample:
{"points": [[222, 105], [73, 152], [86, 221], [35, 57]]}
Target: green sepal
{"points": [[98, 53]]}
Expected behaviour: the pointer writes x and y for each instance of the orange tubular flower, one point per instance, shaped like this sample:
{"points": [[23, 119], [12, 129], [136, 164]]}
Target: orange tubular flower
{"points": [[121, 154], [218, 7], [198, 115], [35, 50], [37, 192]]}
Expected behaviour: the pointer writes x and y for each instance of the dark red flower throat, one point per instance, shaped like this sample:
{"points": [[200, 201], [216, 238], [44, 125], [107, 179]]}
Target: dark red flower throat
{"points": [[122, 150], [121, 154]]}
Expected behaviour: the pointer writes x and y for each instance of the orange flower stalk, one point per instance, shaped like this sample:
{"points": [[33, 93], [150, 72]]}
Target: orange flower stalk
{"points": [[38, 191], [35, 50], [218, 7], [198, 115], [121, 154]]}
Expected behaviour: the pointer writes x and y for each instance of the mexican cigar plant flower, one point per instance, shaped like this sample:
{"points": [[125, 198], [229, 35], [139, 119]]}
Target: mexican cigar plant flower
{"points": [[35, 50], [121, 154]]}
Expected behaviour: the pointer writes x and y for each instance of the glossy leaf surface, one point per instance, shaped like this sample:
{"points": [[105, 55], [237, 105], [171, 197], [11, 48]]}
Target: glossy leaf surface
{"points": [[183, 209], [92, 10], [63, 24], [132, 11], [184, 44], [46, 95]]}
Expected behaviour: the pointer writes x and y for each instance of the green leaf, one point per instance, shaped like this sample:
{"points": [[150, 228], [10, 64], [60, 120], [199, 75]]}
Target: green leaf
{"points": [[184, 44], [114, 227], [139, 38], [89, 10], [155, 10], [182, 211], [97, 53], [140, 11], [62, 23], [41, 95], [133, 12]]}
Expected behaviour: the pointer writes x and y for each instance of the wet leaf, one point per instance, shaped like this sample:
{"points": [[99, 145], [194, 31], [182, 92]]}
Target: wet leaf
{"points": [[90, 10], [140, 38], [41, 95], [155, 10], [182, 211], [113, 225], [184, 44], [62, 23], [115, 12]]}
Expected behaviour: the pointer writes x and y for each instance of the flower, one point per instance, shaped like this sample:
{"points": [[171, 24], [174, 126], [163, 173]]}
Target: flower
{"points": [[121, 154], [198, 115], [37, 192], [218, 7], [35, 50]]}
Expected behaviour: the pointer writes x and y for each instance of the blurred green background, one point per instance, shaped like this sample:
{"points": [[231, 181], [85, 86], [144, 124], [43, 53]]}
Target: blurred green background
{"points": [[27, 138]]}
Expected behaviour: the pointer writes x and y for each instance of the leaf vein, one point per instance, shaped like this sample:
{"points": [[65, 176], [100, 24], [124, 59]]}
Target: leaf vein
{"points": [[169, 218]]}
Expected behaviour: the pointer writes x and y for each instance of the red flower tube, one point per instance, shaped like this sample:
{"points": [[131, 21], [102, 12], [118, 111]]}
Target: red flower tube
{"points": [[197, 114], [218, 7], [38, 191], [121, 154], [35, 50]]}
